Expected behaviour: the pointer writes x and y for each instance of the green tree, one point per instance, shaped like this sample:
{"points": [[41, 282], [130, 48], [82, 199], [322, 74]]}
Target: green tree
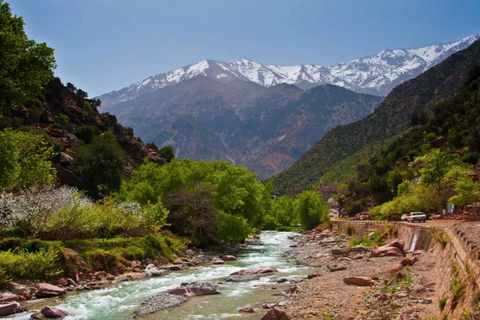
{"points": [[99, 166], [25, 66], [85, 133], [192, 212], [283, 211], [24, 160], [167, 153], [435, 165], [311, 208], [467, 190]]}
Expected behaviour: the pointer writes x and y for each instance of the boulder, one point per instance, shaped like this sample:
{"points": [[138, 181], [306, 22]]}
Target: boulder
{"points": [[37, 315], [70, 253], [314, 275], [252, 271], [229, 258], [397, 243], [100, 274], [7, 309], [396, 268], [9, 297], [193, 291], [62, 282], [246, 309], [45, 290], [347, 251], [135, 264], [334, 268], [291, 290], [70, 282], [216, 260], [19, 290], [173, 267], [152, 271], [409, 261], [275, 314], [359, 281], [51, 312], [386, 251]]}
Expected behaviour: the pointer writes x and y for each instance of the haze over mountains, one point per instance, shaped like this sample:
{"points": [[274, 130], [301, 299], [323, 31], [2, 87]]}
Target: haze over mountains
{"points": [[257, 115]]}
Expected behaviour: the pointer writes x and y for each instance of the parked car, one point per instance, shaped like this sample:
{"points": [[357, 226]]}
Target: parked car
{"points": [[417, 216], [404, 217]]}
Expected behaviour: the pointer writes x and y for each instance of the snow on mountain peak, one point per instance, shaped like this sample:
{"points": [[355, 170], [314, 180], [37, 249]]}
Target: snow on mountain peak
{"points": [[377, 74]]}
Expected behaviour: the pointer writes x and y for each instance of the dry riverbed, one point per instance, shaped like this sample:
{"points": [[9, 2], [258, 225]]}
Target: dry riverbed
{"points": [[396, 292]]}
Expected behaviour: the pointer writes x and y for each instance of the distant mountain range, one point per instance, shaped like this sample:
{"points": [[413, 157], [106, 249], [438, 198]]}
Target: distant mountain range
{"points": [[259, 115], [377, 74]]}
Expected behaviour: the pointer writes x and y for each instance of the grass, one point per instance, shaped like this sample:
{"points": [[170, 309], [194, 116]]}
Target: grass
{"points": [[374, 239], [22, 259]]}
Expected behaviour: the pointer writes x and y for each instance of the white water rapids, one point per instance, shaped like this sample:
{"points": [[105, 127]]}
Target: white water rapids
{"points": [[121, 300]]}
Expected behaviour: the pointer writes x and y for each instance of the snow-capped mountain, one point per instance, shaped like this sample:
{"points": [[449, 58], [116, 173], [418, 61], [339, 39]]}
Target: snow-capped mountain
{"points": [[377, 74]]}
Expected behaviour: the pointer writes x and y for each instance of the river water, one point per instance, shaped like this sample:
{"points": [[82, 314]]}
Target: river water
{"points": [[120, 301]]}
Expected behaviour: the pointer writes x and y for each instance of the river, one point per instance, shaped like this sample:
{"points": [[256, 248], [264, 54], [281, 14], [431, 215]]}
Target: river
{"points": [[120, 301]]}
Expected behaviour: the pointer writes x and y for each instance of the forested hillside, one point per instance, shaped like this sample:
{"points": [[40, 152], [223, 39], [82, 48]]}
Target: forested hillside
{"points": [[389, 119], [427, 165]]}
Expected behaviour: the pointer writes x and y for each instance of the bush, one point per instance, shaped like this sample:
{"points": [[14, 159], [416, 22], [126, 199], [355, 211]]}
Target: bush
{"points": [[21, 264], [85, 133]]}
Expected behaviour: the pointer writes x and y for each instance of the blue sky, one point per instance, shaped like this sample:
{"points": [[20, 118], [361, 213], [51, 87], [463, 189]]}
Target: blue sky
{"points": [[105, 45]]}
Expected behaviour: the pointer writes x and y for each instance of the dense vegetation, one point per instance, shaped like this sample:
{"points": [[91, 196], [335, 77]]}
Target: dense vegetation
{"points": [[392, 117], [74, 179], [429, 164]]}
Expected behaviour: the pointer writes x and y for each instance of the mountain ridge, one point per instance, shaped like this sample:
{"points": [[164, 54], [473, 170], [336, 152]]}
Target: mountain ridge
{"points": [[390, 118], [376, 74]]}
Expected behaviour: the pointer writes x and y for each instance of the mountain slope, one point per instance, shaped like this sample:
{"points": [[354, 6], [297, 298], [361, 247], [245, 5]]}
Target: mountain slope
{"points": [[377, 74], [391, 117], [264, 129]]}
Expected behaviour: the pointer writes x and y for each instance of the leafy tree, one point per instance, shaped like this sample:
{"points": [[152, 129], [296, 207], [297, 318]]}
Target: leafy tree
{"points": [[283, 211], [167, 153], [311, 208], [85, 133], [99, 166], [25, 66], [435, 165], [25, 160], [152, 145], [192, 212]]}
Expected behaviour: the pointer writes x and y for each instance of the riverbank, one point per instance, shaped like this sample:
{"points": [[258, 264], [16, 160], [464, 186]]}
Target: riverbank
{"points": [[120, 300], [393, 291]]}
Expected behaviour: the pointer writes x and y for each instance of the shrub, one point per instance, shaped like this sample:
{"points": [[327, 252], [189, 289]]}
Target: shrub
{"points": [[21, 264], [85, 133]]}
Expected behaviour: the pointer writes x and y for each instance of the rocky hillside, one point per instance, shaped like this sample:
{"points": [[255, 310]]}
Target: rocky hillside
{"points": [[263, 129], [67, 117], [390, 118]]}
